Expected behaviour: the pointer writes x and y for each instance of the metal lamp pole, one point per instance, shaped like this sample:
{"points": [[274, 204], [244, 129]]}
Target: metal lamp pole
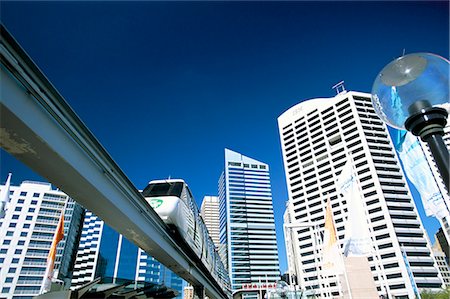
{"points": [[428, 122]]}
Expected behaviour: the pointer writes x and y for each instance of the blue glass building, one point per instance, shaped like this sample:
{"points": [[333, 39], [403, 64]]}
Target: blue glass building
{"points": [[247, 236], [103, 252]]}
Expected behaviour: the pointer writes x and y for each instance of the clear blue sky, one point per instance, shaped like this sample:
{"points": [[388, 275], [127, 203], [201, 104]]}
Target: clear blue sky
{"points": [[166, 86]]}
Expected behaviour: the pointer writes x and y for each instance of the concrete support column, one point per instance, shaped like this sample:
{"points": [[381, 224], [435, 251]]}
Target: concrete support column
{"points": [[199, 292]]}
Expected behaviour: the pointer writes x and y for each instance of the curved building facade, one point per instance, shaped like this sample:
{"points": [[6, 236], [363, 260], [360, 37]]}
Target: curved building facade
{"points": [[318, 137]]}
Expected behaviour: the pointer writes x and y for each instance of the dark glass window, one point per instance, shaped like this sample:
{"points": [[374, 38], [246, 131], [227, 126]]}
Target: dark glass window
{"points": [[163, 189], [127, 260]]}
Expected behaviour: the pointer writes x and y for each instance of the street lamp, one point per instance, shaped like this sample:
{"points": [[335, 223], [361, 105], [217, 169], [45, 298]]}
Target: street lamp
{"points": [[407, 94]]}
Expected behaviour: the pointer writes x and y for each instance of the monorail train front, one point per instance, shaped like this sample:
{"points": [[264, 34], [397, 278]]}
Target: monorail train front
{"points": [[164, 197]]}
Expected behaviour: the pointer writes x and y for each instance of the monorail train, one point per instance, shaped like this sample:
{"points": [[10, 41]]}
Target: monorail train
{"points": [[173, 202]]}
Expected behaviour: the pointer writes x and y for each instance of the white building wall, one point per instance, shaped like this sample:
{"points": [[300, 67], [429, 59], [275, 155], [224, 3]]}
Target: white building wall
{"points": [[26, 235], [88, 250], [210, 214], [317, 137], [443, 266]]}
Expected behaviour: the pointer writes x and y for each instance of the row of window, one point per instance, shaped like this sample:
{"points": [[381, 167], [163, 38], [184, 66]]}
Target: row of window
{"points": [[254, 166]]}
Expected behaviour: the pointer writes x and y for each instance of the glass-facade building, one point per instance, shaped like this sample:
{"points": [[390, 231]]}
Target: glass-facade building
{"points": [[247, 236], [318, 137], [103, 252], [26, 235]]}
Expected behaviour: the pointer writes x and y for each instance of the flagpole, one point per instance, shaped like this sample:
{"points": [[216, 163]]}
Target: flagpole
{"points": [[4, 196], [260, 291], [58, 236], [316, 253]]}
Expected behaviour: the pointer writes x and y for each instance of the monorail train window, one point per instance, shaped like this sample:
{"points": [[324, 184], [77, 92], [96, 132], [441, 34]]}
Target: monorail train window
{"points": [[163, 189]]}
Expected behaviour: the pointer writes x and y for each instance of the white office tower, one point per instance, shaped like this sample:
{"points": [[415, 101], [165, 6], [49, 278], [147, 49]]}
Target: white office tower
{"points": [[26, 235], [318, 137], [247, 227], [210, 214]]}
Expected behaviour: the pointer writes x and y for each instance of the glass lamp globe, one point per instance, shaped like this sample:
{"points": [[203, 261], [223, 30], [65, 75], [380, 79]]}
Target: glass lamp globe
{"points": [[408, 83]]}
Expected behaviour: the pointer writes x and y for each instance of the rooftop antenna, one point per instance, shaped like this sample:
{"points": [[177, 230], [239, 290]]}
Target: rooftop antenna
{"points": [[403, 52], [339, 87]]}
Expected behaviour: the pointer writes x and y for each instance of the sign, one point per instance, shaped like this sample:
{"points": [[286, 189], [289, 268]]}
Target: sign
{"points": [[155, 202]]}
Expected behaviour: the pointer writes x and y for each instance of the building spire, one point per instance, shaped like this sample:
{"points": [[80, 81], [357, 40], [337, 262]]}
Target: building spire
{"points": [[339, 87]]}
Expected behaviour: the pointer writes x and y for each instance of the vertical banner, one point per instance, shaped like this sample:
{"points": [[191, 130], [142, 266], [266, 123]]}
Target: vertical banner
{"points": [[331, 258], [357, 240], [419, 173], [59, 235]]}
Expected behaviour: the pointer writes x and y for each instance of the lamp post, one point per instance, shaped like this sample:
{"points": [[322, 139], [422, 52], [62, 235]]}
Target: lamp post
{"points": [[407, 94], [302, 224]]}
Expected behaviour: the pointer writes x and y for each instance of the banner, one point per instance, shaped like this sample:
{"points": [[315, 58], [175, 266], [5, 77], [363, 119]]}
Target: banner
{"points": [[59, 235], [332, 263], [357, 240], [419, 173]]}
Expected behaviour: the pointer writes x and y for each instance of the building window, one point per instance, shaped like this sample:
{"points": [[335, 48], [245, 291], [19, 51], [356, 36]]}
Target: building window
{"points": [[23, 234], [12, 270], [21, 242], [6, 242], [18, 251], [5, 290], [23, 193], [33, 202], [18, 209], [31, 210], [26, 225], [8, 279], [29, 218], [3, 250], [36, 195], [254, 166], [234, 164], [15, 216], [12, 224], [15, 261], [21, 201], [9, 233]]}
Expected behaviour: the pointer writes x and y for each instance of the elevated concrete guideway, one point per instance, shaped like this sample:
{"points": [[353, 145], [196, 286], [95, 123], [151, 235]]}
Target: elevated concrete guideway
{"points": [[39, 128]]}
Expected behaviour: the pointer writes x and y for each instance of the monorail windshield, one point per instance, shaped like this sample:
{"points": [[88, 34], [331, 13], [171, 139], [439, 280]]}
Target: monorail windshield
{"points": [[163, 189]]}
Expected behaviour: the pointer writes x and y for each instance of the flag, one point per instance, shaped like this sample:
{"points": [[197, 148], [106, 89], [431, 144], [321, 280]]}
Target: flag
{"points": [[4, 196], [59, 235], [419, 173], [410, 275], [357, 240], [332, 263]]}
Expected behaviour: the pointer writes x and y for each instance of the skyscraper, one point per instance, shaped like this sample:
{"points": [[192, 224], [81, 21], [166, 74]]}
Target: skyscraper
{"points": [[103, 252], [210, 214], [318, 137], [247, 227], [26, 235]]}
